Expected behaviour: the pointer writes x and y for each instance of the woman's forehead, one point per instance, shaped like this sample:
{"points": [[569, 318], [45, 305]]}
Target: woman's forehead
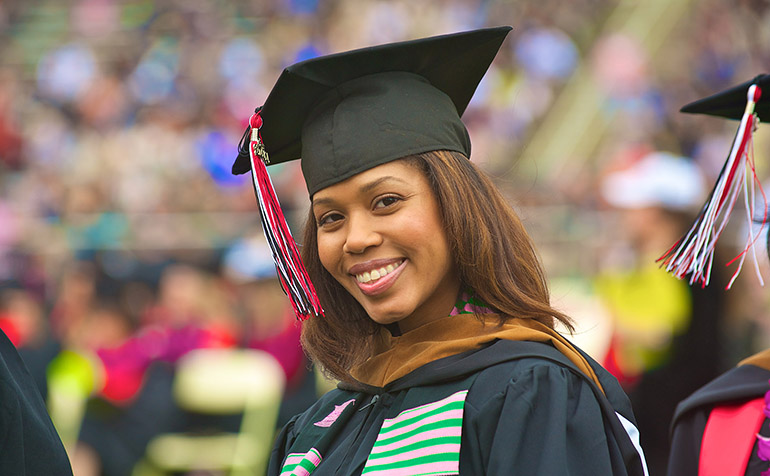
{"points": [[396, 173]]}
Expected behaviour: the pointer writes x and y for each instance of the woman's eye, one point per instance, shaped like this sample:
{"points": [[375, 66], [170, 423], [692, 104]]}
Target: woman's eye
{"points": [[328, 219], [386, 202]]}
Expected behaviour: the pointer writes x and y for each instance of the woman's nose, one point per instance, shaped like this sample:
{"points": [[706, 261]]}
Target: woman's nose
{"points": [[361, 235]]}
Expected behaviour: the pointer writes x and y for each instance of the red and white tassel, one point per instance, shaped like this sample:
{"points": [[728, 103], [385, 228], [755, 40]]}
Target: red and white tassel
{"points": [[693, 254], [291, 270]]}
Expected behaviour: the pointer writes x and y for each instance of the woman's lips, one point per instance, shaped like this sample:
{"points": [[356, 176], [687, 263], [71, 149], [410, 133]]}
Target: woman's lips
{"points": [[371, 283]]}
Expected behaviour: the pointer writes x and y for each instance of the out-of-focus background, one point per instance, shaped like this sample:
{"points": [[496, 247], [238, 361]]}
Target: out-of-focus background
{"points": [[127, 249]]}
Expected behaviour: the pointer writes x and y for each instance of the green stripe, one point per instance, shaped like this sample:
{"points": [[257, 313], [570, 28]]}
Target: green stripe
{"points": [[458, 405], [471, 299], [308, 465], [476, 302], [383, 439], [304, 464], [416, 446]]}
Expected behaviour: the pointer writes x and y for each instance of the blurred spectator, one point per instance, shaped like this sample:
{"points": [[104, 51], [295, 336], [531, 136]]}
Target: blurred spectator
{"points": [[72, 302], [269, 320], [22, 320], [666, 338], [546, 53], [66, 72]]}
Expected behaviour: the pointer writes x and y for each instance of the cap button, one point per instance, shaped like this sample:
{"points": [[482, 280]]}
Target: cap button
{"points": [[256, 121]]}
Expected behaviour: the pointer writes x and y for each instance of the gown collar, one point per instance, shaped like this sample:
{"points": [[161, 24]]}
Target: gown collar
{"points": [[396, 356]]}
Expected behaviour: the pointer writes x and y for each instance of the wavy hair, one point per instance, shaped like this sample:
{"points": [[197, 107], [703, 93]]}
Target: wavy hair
{"points": [[493, 252]]}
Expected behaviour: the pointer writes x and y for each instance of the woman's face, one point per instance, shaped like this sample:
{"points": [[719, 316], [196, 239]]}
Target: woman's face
{"points": [[380, 234]]}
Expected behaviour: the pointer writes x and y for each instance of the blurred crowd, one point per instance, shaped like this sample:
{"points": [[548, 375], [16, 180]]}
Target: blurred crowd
{"points": [[124, 235]]}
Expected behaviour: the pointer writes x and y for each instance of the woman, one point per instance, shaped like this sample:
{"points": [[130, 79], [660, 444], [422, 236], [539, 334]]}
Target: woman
{"points": [[436, 315]]}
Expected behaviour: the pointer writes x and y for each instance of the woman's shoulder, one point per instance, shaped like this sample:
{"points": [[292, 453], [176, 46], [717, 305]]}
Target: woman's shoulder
{"points": [[532, 392], [539, 368], [516, 358], [518, 363]]}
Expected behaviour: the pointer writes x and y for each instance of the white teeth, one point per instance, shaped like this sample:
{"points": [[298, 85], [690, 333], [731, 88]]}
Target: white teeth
{"points": [[375, 274]]}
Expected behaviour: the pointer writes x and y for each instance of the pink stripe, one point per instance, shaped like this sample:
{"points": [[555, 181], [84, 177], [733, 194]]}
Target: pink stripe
{"points": [[294, 458], [419, 423], [477, 309], [425, 435], [441, 467], [332, 417], [299, 471], [428, 407]]}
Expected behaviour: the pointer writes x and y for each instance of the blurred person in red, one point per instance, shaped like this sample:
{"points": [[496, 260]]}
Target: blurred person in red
{"points": [[660, 325], [269, 320]]}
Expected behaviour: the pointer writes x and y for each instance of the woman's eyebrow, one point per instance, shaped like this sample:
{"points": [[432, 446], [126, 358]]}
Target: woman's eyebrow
{"points": [[363, 189], [374, 183], [321, 201]]}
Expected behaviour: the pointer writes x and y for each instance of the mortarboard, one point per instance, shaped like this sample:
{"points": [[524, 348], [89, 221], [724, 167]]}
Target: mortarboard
{"points": [[693, 254], [348, 112], [731, 103]]}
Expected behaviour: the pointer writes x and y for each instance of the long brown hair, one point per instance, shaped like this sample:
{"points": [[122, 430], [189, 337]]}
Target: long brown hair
{"points": [[493, 252]]}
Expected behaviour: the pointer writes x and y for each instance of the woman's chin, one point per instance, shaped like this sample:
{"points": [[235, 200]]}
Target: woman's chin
{"points": [[385, 317], [386, 320]]}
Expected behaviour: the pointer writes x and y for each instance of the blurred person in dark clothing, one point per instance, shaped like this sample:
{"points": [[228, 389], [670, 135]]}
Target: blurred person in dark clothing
{"points": [[30, 444]]}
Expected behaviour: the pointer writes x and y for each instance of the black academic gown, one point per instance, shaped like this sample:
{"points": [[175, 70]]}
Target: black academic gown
{"points": [[528, 410], [740, 384], [29, 443]]}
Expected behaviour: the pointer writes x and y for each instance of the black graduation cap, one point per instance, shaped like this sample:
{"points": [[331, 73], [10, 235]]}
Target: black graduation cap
{"points": [[348, 112], [693, 254], [731, 102]]}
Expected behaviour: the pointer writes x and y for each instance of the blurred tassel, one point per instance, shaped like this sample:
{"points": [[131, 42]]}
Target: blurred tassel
{"points": [[291, 271], [693, 254]]}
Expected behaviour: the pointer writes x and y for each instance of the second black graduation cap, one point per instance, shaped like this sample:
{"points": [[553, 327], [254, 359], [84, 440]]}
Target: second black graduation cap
{"points": [[693, 254], [348, 112], [731, 102]]}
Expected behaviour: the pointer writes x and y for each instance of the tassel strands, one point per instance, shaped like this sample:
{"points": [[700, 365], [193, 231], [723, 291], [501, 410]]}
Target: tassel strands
{"points": [[291, 271], [693, 254]]}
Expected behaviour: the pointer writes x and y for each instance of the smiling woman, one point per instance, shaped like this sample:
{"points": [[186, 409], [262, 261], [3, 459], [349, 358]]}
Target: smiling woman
{"points": [[436, 317]]}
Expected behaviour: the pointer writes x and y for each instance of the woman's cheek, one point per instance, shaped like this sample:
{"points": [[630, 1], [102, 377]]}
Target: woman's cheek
{"points": [[327, 254]]}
